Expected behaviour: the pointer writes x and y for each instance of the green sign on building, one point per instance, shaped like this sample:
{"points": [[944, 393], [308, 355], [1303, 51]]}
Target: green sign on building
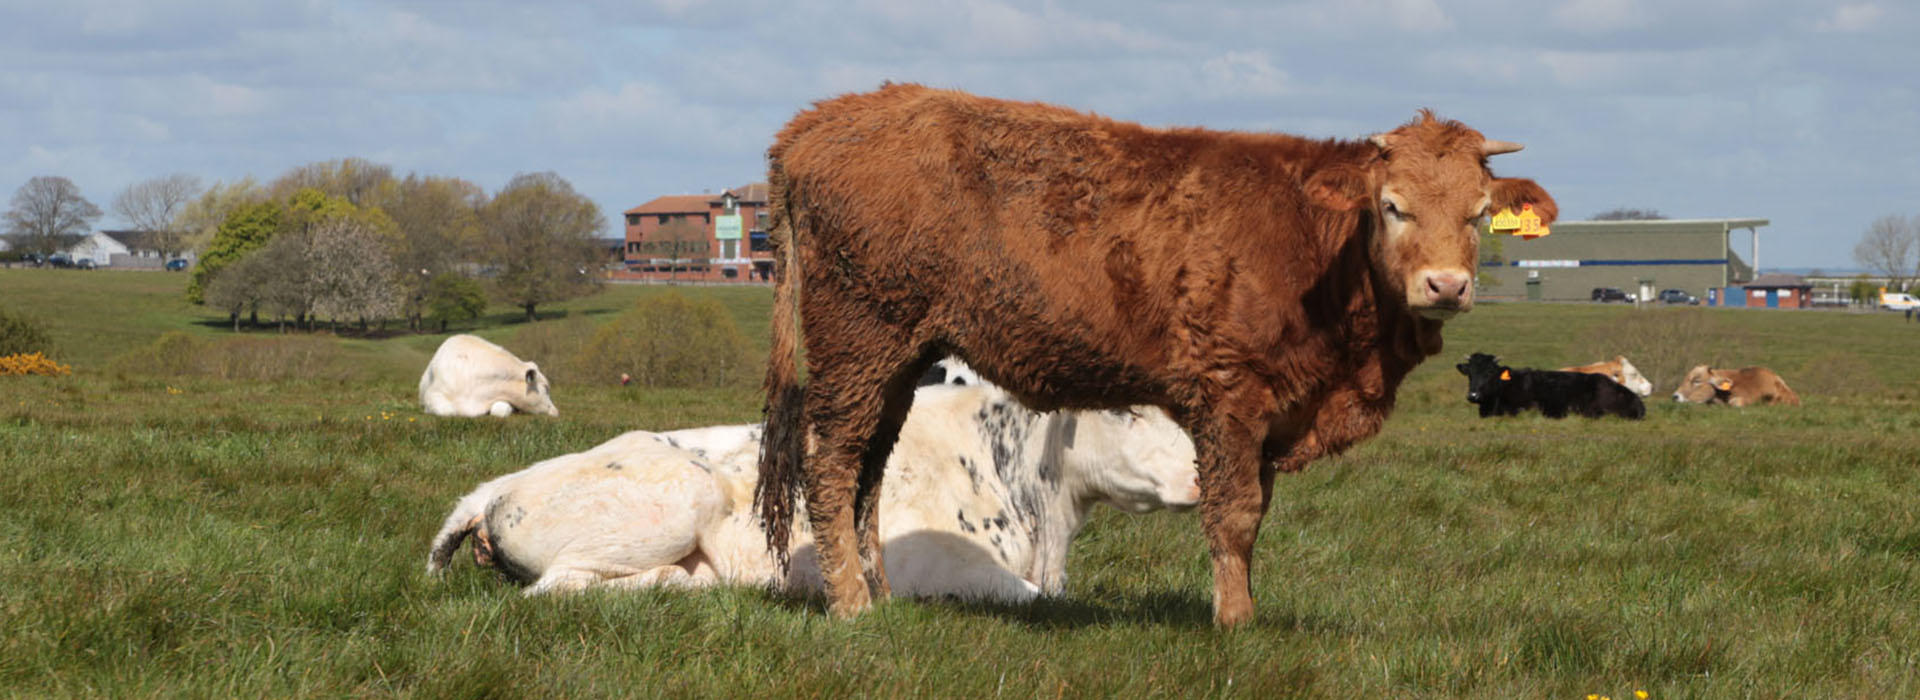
{"points": [[726, 227]]}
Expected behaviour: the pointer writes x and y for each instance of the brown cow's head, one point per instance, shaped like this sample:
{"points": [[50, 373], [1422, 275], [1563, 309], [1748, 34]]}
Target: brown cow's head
{"points": [[1427, 186], [1703, 385]]}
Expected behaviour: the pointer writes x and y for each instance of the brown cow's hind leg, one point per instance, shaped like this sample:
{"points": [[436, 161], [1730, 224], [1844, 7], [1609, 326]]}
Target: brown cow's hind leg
{"points": [[855, 409]]}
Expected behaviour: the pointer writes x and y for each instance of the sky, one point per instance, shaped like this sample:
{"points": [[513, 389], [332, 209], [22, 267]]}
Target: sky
{"points": [[1803, 113]]}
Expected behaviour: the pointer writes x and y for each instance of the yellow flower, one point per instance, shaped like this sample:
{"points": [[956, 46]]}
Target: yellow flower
{"points": [[1640, 694]]}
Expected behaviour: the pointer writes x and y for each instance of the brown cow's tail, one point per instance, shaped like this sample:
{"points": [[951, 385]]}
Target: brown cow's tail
{"points": [[785, 432]]}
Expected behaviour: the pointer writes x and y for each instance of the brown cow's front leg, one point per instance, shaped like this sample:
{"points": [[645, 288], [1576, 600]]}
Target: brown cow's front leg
{"points": [[1232, 502]]}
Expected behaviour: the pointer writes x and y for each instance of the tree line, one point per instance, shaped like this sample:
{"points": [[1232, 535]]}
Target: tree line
{"points": [[346, 241]]}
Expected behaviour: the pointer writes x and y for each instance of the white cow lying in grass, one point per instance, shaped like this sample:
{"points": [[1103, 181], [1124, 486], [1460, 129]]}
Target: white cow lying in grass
{"points": [[982, 498], [471, 377]]}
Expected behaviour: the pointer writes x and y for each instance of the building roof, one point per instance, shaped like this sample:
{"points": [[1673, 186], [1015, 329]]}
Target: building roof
{"points": [[1778, 279], [1729, 223], [133, 240], [674, 204], [751, 193]]}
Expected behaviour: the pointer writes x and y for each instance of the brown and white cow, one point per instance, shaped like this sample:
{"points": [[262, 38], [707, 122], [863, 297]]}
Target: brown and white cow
{"points": [[1747, 386], [1620, 371], [1269, 291]]}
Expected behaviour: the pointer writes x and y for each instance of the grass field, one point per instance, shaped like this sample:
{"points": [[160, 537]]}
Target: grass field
{"points": [[195, 536]]}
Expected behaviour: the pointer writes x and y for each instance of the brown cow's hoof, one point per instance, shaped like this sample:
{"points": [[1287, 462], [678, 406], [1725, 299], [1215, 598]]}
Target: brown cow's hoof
{"points": [[1233, 616]]}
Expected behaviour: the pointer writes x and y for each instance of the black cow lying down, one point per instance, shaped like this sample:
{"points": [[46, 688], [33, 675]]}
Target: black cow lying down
{"points": [[1504, 391]]}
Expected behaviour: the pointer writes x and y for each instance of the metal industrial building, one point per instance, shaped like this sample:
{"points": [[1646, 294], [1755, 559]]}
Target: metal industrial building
{"points": [[1690, 254]]}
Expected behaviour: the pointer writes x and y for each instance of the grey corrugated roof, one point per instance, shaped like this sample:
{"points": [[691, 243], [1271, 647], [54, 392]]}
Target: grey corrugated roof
{"points": [[1778, 279]]}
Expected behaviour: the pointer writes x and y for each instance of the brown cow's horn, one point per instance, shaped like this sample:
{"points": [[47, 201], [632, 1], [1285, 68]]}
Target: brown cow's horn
{"points": [[1379, 140], [1493, 148]]}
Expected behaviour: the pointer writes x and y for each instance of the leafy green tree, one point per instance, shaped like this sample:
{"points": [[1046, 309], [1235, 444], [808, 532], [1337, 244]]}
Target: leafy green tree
{"points": [[451, 295], [437, 220], [539, 242], [247, 228], [201, 218]]}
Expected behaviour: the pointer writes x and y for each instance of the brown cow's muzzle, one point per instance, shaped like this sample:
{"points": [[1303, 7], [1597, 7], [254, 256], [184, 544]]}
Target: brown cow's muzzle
{"points": [[1441, 294]]}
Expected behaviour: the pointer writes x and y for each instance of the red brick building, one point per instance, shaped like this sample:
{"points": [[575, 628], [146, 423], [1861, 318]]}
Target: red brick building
{"points": [[701, 237], [1773, 291]]}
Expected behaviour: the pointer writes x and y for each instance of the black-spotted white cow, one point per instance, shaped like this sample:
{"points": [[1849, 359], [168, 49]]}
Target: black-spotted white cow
{"points": [[983, 498]]}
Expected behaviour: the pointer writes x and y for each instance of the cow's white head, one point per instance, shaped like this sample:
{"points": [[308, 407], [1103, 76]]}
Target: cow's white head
{"points": [[1426, 187], [1631, 378], [538, 397], [1136, 460]]}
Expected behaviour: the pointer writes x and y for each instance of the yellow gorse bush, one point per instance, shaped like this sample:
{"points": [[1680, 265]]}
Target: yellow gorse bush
{"points": [[32, 363]]}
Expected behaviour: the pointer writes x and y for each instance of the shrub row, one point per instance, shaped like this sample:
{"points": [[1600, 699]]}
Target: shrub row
{"points": [[177, 354], [663, 341]]}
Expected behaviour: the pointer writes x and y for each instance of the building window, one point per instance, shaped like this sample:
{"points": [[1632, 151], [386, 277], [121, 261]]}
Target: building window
{"points": [[730, 272], [665, 218], [729, 206], [633, 219], [757, 242], [730, 249]]}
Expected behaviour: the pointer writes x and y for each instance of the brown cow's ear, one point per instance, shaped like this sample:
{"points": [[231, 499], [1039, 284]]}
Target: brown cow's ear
{"points": [[1512, 192], [1339, 188], [1722, 384]]}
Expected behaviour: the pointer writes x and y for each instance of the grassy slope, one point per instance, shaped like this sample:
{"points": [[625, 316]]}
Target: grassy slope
{"points": [[248, 538]]}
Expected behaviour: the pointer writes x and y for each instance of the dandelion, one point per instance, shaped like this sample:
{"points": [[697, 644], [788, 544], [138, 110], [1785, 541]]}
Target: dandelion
{"points": [[1640, 694]]}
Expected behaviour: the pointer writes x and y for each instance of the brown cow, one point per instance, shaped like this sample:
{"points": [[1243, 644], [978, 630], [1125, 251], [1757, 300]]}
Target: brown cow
{"points": [[1269, 291], [1747, 386]]}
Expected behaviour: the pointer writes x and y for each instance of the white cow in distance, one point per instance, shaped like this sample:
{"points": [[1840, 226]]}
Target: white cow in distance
{"points": [[982, 498], [471, 377]]}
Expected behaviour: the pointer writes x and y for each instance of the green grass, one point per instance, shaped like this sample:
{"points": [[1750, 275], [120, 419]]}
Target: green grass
{"points": [[189, 536]]}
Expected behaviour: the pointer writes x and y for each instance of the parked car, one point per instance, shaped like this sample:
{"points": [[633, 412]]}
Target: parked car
{"points": [[59, 260], [83, 264], [178, 264], [33, 259], [1896, 301], [1607, 294], [1677, 296]]}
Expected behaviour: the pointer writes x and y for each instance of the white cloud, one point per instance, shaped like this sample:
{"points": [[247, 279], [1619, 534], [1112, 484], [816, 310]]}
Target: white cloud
{"points": [[1852, 18], [1243, 74], [1600, 16]]}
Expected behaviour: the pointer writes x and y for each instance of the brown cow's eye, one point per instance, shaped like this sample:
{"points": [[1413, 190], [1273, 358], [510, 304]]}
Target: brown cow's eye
{"points": [[1395, 212]]}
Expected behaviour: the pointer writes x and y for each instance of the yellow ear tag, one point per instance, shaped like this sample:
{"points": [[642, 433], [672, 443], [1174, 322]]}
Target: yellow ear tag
{"points": [[1530, 226], [1504, 222], [1723, 384], [1506, 376]]}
